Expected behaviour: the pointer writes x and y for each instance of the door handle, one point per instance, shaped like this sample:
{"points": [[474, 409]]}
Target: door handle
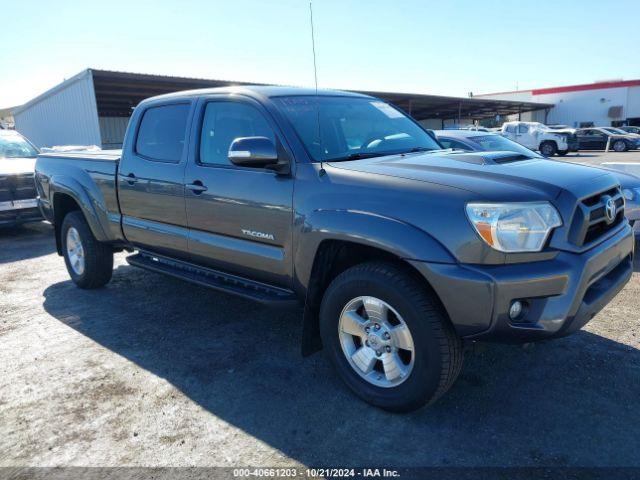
{"points": [[196, 187], [131, 179]]}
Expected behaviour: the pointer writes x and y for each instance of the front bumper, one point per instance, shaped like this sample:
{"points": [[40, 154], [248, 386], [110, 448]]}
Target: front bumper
{"points": [[14, 212], [560, 295]]}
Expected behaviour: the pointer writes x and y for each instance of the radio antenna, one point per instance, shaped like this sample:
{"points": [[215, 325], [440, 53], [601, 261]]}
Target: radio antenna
{"points": [[315, 76], [313, 46]]}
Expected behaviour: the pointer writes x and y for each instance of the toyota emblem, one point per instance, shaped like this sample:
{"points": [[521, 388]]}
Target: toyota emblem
{"points": [[610, 210]]}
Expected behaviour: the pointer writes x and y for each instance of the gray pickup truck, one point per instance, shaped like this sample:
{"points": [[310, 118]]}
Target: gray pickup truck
{"points": [[400, 252]]}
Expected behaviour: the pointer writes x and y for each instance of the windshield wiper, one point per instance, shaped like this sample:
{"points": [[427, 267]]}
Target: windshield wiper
{"points": [[359, 156], [419, 149]]}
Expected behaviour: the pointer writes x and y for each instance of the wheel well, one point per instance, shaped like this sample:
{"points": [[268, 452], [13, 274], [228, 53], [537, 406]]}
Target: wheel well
{"points": [[62, 205], [332, 258]]}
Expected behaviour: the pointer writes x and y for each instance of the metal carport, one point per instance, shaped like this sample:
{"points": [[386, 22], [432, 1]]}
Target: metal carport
{"points": [[94, 106]]}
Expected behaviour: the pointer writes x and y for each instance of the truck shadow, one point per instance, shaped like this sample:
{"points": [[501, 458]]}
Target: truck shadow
{"points": [[25, 241], [572, 401]]}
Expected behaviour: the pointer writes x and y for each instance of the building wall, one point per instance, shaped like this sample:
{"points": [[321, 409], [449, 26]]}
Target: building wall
{"points": [[575, 107], [112, 130], [65, 115]]}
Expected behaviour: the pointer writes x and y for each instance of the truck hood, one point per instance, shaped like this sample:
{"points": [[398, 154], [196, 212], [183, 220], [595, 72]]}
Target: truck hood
{"points": [[493, 175], [15, 166]]}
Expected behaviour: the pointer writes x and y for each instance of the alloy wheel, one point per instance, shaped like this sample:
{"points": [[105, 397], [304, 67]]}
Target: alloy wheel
{"points": [[376, 341]]}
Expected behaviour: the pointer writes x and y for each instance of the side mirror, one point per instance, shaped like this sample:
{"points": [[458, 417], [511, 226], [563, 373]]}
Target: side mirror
{"points": [[253, 152]]}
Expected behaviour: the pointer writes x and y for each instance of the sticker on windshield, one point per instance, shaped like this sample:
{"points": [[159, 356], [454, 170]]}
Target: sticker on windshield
{"points": [[387, 109]]}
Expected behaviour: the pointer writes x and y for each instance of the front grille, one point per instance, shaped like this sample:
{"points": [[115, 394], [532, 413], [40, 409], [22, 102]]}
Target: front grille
{"points": [[17, 187], [590, 222]]}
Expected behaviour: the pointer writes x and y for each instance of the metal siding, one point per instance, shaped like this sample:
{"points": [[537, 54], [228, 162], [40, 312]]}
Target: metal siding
{"points": [[633, 103], [112, 130], [67, 116]]}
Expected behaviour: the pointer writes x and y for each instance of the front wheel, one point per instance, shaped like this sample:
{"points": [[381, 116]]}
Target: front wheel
{"points": [[387, 337], [548, 149], [89, 262]]}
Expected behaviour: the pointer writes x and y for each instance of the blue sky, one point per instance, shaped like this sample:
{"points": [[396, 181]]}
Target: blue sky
{"points": [[446, 47]]}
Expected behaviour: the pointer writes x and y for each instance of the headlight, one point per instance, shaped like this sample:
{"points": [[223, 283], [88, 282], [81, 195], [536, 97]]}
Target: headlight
{"points": [[514, 227]]}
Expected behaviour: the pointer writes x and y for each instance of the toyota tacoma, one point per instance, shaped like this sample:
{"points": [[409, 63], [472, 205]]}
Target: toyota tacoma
{"points": [[399, 251]]}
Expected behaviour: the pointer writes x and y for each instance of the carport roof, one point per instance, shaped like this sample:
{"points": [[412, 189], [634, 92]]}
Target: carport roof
{"points": [[118, 92]]}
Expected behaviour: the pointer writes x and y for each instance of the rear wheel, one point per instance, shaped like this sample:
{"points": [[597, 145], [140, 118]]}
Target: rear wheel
{"points": [[89, 262], [619, 146], [548, 149], [387, 337]]}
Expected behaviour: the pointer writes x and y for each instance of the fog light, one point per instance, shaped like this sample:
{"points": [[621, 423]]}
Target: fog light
{"points": [[515, 310]]}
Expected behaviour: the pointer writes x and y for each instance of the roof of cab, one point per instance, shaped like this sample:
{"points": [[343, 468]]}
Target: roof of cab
{"points": [[256, 91]]}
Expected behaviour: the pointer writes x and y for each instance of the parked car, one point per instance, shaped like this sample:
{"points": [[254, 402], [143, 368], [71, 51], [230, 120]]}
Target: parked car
{"points": [[481, 142], [475, 128], [537, 136], [619, 131], [399, 251], [17, 188], [631, 129], [596, 138]]}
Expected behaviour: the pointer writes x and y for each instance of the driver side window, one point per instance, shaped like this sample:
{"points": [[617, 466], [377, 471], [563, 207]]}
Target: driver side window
{"points": [[522, 128], [223, 122]]}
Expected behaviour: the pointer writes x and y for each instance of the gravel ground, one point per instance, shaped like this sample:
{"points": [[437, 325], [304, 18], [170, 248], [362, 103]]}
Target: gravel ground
{"points": [[151, 371]]}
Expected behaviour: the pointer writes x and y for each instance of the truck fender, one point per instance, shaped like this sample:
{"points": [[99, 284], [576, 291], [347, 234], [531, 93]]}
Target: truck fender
{"points": [[88, 200], [391, 235]]}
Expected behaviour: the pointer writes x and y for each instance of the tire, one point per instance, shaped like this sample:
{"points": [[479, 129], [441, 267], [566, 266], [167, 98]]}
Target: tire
{"points": [[437, 355], [548, 149], [620, 146], [97, 257], [562, 153]]}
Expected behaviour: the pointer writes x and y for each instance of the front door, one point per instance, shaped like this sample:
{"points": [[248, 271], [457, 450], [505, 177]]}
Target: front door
{"points": [[240, 218], [151, 180], [591, 140], [526, 137]]}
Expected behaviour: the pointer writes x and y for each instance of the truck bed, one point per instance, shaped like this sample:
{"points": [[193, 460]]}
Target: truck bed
{"points": [[101, 155], [91, 173]]}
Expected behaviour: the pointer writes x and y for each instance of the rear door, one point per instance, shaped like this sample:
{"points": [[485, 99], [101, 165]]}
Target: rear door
{"points": [[151, 179], [240, 218]]}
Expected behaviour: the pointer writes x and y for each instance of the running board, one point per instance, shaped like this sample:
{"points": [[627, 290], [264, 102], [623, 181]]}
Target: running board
{"points": [[214, 279]]}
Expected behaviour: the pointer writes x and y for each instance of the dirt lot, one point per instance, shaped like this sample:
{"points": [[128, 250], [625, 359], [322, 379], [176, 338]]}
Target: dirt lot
{"points": [[153, 371]]}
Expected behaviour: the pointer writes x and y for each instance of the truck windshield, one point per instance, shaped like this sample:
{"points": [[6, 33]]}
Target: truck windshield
{"points": [[13, 145], [348, 128]]}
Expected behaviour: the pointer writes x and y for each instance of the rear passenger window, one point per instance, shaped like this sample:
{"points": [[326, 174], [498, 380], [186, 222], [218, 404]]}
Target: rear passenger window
{"points": [[224, 122], [162, 132], [522, 128]]}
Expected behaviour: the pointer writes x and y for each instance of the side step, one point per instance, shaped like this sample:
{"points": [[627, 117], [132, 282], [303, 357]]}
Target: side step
{"points": [[217, 280]]}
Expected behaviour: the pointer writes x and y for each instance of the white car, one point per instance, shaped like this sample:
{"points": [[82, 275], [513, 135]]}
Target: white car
{"points": [[538, 136]]}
